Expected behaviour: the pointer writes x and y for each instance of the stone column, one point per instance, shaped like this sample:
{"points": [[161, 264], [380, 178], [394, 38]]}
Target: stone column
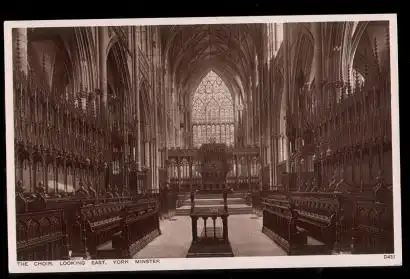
{"points": [[255, 124], [286, 89], [152, 162], [276, 158], [248, 164], [102, 65], [179, 172], [190, 174], [137, 120], [165, 117], [236, 171], [249, 118], [318, 63], [147, 147]]}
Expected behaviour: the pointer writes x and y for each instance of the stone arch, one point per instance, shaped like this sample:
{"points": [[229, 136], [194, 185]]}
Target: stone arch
{"points": [[371, 55], [117, 57], [52, 57], [333, 49], [213, 99], [224, 74], [303, 58], [353, 32], [356, 38], [84, 46], [89, 47], [111, 42], [63, 76]]}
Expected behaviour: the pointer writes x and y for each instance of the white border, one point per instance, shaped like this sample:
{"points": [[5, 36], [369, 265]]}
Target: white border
{"points": [[205, 263]]}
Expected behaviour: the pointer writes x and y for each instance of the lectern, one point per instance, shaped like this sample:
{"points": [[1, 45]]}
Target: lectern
{"points": [[213, 241]]}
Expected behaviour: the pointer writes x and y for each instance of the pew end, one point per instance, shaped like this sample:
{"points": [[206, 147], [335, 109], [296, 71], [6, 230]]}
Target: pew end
{"points": [[41, 236], [139, 226]]}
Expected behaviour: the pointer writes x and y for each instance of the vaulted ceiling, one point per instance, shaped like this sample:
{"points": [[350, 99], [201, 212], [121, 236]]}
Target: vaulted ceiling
{"points": [[193, 50]]}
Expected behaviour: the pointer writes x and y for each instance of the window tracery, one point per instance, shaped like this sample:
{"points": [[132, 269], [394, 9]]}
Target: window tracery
{"points": [[212, 112]]}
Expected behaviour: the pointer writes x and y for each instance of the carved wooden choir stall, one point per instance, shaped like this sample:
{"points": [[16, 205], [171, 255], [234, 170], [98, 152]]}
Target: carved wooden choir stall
{"points": [[111, 226], [65, 203], [338, 187]]}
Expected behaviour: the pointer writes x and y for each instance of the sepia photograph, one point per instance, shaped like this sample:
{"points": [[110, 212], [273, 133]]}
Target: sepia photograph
{"points": [[206, 143]]}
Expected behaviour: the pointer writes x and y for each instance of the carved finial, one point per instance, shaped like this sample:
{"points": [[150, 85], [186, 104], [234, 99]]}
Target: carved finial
{"points": [[19, 187], [315, 186], [341, 185], [91, 190], [333, 181], [115, 191], [308, 184], [108, 192], [357, 82], [82, 191], [381, 190], [342, 174], [41, 189]]}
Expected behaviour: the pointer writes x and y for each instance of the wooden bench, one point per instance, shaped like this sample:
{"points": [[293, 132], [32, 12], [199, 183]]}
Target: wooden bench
{"points": [[318, 216], [139, 226], [279, 225], [41, 236], [95, 227], [91, 221], [70, 206], [373, 228]]}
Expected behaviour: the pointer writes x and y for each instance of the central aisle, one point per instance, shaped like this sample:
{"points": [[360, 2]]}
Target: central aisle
{"points": [[244, 234]]}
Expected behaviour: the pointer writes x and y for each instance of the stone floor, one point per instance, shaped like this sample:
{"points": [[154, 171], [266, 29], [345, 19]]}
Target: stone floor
{"points": [[244, 234]]}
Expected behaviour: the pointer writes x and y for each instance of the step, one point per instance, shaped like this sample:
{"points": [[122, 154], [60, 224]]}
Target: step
{"points": [[212, 196], [233, 209], [215, 201], [208, 249]]}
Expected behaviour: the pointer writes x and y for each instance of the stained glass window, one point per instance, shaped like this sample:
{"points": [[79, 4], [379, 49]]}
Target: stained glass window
{"points": [[212, 112]]}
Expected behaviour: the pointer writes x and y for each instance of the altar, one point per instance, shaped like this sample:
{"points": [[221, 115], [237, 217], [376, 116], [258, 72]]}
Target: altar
{"points": [[214, 165], [213, 241]]}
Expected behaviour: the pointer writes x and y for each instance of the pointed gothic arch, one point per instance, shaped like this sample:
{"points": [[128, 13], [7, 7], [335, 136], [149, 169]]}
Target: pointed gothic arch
{"points": [[213, 114]]}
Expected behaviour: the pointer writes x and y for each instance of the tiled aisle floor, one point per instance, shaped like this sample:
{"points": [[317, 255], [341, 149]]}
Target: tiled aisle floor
{"points": [[244, 234]]}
